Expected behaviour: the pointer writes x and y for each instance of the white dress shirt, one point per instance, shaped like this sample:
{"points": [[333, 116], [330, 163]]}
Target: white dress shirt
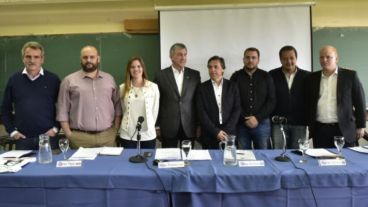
{"points": [[327, 103], [179, 77], [218, 94], [290, 78]]}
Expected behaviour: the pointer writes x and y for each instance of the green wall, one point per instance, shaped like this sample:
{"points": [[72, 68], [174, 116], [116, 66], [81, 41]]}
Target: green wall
{"points": [[62, 53], [352, 46]]}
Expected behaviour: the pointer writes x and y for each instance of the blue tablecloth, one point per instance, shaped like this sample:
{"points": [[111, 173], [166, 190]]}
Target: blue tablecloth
{"points": [[114, 181]]}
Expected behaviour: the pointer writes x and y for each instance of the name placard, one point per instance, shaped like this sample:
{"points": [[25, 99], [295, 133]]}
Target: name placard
{"points": [[251, 163], [332, 162], [69, 163], [171, 164]]}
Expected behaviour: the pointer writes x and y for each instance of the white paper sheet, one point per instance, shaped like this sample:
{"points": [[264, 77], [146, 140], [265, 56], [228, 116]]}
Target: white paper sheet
{"points": [[15, 153], [112, 151], [320, 152], [168, 154], [199, 155], [245, 155], [360, 149], [85, 154]]}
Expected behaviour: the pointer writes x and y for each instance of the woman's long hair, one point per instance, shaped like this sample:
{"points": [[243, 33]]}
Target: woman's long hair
{"points": [[128, 78]]}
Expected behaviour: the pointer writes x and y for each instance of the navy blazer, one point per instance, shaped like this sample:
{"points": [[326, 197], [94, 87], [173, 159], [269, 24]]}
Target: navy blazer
{"points": [[208, 110], [350, 102], [175, 108], [290, 103]]}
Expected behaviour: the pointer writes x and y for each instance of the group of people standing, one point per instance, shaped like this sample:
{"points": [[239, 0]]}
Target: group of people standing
{"points": [[92, 110]]}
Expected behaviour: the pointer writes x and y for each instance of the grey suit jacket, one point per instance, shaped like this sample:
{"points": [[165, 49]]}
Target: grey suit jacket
{"points": [[350, 102], [176, 108]]}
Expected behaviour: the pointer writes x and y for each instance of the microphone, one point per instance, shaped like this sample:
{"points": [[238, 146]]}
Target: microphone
{"points": [[279, 120], [139, 122], [138, 158]]}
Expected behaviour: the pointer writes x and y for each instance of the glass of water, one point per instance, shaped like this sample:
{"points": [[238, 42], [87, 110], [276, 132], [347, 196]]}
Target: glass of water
{"points": [[186, 146], [303, 146], [339, 142], [64, 146]]}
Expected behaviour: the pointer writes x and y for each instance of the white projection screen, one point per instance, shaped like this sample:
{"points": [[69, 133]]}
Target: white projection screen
{"points": [[228, 32]]}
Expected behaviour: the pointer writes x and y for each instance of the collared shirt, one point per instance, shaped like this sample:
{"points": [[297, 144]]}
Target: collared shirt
{"points": [[290, 77], [327, 103], [179, 77], [218, 95], [30, 77], [88, 104]]}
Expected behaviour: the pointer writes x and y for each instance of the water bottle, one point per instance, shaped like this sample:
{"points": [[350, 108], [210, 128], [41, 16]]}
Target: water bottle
{"points": [[229, 151], [44, 150]]}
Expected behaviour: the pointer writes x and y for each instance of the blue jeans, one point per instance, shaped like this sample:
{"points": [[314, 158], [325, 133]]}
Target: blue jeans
{"points": [[259, 136], [292, 133]]}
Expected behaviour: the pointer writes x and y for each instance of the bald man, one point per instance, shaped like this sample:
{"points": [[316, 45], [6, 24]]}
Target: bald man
{"points": [[88, 107], [336, 102]]}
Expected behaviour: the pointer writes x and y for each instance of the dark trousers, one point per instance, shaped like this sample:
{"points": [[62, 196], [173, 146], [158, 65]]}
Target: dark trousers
{"points": [[172, 142], [150, 144], [31, 143], [324, 135]]}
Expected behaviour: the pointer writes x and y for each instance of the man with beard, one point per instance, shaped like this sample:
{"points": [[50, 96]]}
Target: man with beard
{"points": [[257, 98], [31, 94], [88, 105]]}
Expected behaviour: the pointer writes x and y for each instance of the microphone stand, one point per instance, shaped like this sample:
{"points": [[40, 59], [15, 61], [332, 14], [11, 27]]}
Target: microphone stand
{"points": [[282, 157], [138, 158]]}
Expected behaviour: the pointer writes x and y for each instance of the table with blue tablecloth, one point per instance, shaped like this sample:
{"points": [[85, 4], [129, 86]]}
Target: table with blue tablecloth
{"points": [[113, 181]]}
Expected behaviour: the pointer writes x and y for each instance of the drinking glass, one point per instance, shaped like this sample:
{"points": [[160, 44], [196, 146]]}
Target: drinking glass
{"points": [[339, 142], [186, 146], [303, 146], [64, 146]]}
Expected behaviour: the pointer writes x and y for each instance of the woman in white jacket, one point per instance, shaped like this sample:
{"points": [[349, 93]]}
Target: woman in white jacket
{"points": [[139, 98]]}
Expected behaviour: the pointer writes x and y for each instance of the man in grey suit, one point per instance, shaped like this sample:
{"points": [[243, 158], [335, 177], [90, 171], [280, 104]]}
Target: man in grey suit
{"points": [[177, 119], [336, 102]]}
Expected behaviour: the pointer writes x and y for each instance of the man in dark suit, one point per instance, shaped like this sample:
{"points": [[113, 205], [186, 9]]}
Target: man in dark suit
{"points": [[290, 100], [177, 84], [336, 103], [218, 105]]}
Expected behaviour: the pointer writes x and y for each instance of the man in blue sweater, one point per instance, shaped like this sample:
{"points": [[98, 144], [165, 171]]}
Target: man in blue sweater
{"points": [[29, 104]]}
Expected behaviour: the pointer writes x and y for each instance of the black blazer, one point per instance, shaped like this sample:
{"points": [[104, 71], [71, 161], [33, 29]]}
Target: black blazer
{"points": [[290, 103], [174, 108], [208, 110], [350, 102]]}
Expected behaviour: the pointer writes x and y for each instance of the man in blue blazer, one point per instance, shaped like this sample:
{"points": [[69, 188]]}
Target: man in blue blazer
{"points": [[177, 84], [336, 103], [290, 100], [218, 105]]}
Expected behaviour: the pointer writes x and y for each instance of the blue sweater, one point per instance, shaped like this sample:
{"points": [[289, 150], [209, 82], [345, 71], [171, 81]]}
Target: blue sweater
{"points": [[34, 104]]}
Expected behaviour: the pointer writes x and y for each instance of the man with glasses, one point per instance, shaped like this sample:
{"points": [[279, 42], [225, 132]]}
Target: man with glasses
{"points": [[257, 96]]}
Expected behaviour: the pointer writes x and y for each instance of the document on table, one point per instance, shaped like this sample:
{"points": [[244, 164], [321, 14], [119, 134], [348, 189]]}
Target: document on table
{"points": [[91, 153], [320, 153], [245, 155], [14, 164], [363, 149], [168, 154], [85, 154], [113, 151], [199, 155], [15, 153]]}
